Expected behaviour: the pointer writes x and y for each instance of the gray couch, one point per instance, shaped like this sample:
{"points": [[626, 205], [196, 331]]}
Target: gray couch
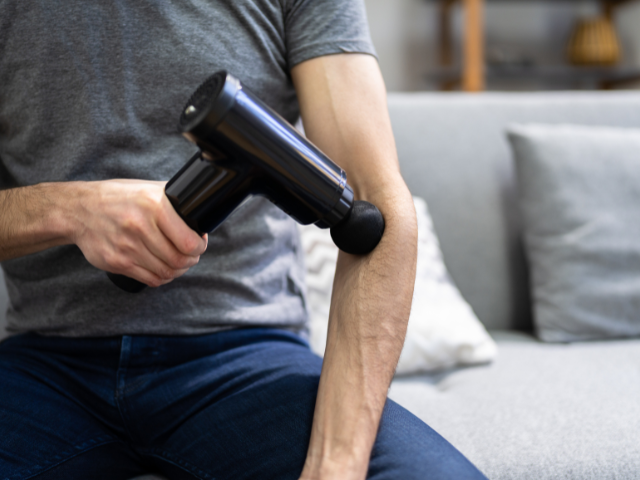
{"points": [[540, 411]]}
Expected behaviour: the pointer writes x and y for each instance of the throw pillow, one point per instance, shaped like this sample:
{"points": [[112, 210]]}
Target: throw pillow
{"points": [[443, 331], [580, 201]]}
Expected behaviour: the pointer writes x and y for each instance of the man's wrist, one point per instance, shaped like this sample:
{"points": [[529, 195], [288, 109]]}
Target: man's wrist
{"points": [[345, 423], [61, 204], [341, 466]]}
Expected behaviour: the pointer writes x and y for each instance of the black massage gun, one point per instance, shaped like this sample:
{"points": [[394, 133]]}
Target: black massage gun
{"points": [[247, 149]]}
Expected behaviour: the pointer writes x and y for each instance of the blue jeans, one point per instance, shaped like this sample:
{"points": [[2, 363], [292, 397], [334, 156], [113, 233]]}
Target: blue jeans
{"points": [[236, 404]]}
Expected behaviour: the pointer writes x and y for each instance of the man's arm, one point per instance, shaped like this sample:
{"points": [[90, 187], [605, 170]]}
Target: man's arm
{"points": [[121, 226], [344, 110]]}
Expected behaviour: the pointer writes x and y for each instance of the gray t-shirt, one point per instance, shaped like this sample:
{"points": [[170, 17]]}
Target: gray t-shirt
{"points": [[92, 90]]}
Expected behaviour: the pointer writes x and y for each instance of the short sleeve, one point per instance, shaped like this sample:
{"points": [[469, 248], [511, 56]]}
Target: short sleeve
{"points": [[323, 27]]}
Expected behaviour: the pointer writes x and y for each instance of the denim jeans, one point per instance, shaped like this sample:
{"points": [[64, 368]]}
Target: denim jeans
{"points": [[232, 405]]}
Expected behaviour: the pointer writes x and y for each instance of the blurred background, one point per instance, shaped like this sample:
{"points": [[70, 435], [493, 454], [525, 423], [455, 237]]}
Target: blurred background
{"points": [[476, 45]]}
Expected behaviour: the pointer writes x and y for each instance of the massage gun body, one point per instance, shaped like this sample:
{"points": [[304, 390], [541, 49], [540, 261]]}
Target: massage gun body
{"points": [[250, 151], [247, 149]]}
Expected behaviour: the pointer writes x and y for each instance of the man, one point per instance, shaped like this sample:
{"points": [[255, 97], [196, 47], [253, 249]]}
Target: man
{"points": [[105, 384]]}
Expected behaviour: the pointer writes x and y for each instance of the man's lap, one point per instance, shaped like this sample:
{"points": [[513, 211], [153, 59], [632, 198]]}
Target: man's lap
{"points": [[236, 404]]}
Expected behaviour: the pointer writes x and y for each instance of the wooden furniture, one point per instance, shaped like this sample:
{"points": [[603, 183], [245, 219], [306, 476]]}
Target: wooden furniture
{"points": [[472, 75], [473, 45], [594, 42]]}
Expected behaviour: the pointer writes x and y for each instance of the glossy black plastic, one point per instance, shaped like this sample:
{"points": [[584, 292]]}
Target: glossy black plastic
{"points": [[248, 149]]}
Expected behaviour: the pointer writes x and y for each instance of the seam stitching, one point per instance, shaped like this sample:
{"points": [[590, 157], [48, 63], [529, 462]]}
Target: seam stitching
{"points": [[180, 463], [119, 395], [84, 446]]}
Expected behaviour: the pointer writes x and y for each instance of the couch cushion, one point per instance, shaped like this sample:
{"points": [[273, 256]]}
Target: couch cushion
{"points": [[453, 152], [579, 197], [540, 410]]}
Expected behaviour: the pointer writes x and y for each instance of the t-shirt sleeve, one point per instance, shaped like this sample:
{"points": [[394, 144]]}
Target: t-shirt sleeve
{"points": [[323, 27]]}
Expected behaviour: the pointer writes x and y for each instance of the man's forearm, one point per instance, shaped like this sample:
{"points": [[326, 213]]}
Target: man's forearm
{"points": [[33, 219], [343, 103], [370, 307]]}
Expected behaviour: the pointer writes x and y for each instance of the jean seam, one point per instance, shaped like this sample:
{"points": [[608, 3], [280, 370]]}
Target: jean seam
{"points": [[119, 395], [178, 462], [94, 443]]}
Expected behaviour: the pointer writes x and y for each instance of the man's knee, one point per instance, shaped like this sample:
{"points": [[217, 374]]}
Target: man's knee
{"points": [[408, 448]]}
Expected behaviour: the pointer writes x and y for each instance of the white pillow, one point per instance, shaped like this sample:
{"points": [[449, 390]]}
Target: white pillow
{"points": [[443, 331]]}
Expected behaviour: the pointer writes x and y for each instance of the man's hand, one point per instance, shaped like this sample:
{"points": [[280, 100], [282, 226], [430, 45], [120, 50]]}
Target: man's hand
{"points": [[121, 226], [344, 110]]}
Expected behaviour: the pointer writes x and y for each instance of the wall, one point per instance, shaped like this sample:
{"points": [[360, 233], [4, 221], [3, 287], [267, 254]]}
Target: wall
{"points": [[405, 33]]}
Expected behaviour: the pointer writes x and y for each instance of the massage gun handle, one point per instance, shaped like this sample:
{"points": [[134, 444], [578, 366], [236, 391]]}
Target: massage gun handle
{"points": [[127, 284]]}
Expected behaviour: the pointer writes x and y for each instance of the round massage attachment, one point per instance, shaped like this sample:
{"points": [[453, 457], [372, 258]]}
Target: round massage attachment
{"points": [[360, 231]]}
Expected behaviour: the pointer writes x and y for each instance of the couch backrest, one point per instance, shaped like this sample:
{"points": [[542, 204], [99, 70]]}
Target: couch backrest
{"points": [[454, 153]]}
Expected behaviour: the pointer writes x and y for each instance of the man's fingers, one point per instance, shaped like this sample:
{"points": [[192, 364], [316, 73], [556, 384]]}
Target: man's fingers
{"points": [[152, 271], [187, 241], [129, 227], [145, 276], [152, 280], [165, 272], [149, 278], [166, 251]]}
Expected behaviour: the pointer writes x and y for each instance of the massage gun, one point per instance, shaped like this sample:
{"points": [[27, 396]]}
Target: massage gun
{"points": [[247, 149]]}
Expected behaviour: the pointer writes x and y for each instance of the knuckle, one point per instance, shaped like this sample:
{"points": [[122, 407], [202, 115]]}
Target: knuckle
{"points": [[132, 223], [166, 274], [109, 258], [122, 265], [148, 204], [190, 244], [116, 262], [175, 262], [179, 262], [123, 247], [149, 196]]}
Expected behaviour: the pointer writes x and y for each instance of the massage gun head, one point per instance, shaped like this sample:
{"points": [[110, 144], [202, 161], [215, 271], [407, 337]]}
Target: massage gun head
{"points": [[361, 231], [209, 103]]}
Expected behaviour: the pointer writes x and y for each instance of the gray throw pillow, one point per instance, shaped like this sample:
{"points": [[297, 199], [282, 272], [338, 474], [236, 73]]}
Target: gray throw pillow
{"points": [[580, 201]]}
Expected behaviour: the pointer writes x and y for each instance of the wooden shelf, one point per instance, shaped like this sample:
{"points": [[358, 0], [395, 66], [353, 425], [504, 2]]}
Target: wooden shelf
{"points": [[600, 77], [473, 73]]}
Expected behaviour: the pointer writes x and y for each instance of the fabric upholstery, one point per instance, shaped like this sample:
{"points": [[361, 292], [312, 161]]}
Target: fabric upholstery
{"points": [[579, 196], [539, 411], [454, 153]]}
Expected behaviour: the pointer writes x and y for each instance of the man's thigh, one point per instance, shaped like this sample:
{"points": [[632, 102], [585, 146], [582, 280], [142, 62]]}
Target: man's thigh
{"points": [[241, 411], [247, 413], [48, 430]]}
